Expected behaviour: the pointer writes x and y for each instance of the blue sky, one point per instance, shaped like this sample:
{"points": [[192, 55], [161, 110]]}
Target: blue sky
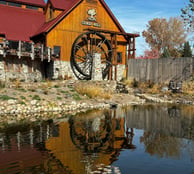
{"points": [[134, 15]]}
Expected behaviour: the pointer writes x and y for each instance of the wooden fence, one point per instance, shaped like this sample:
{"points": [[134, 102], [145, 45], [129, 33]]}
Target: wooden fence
{"points": [[161, 70]]}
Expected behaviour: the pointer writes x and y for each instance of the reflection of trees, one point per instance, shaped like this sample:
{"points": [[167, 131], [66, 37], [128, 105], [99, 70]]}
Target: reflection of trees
{"points": [[160, 144]]}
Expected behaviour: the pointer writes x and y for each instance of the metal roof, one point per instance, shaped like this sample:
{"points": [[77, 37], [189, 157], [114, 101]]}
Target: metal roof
{"points": [[39, 3], [18, 23]]}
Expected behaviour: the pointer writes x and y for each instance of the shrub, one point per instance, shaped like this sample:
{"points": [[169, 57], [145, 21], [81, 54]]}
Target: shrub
{"points": [[23, 98], [36, 97], [76, 97], [2, 84], [188, 87], [92, 91]]}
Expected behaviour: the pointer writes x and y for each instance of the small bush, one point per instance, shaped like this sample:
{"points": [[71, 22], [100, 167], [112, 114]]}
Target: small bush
{"points": [[76, 97], [188, 87], [2, 84], [56, 86], [22, 103], [17, 83], [23, 98], [135, 83], [36, 97], [59, 98]]}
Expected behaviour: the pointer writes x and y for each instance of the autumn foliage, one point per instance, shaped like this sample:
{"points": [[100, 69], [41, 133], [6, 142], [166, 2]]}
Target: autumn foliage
{"points": [[163, 34], [150, 54]]}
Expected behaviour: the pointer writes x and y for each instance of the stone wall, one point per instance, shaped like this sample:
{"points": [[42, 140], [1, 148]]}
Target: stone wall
{"points": [[54, 70], [63, 69], [23, 72]]}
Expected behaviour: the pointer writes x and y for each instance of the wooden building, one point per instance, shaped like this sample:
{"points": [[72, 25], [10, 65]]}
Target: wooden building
{"points": [[59, 39]]}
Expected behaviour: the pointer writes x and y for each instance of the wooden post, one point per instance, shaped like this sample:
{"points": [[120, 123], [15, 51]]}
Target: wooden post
{"points": [[42, 52], [32, 49], [114, 47], [49, 54], [134, 47], [4, 47], [19, 49]]}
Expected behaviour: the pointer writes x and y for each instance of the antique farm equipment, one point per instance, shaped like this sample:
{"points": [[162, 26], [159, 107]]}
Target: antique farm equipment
{"points": [[83, 50]]}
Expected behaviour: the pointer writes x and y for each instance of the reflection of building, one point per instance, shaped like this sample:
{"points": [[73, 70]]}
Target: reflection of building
{"points": [[79, 141], [83, 142], [38, 38], [22, 151]]}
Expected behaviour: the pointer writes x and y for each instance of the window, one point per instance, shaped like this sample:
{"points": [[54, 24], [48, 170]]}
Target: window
{"points": [[13, 45], [119, 57], [57, 51], [14, 4], [31, 7], [3, 2], [51, 13]]}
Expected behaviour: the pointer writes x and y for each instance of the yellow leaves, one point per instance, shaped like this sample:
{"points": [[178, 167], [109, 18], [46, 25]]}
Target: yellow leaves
{"points": [[161, 34]]}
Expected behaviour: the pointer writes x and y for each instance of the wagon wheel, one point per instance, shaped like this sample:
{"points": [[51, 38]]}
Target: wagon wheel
{"points": [[82, 53]]}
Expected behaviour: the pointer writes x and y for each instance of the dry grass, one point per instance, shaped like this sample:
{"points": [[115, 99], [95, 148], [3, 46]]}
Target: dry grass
{"points": [[17, 83], [129, 82], [188, 88], [148, 87], [92, 91]]}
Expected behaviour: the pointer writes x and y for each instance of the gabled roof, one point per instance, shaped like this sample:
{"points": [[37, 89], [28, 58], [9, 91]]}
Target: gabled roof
{"points": [[46, 27], [68, 6], [18, 23], [38, 3]]}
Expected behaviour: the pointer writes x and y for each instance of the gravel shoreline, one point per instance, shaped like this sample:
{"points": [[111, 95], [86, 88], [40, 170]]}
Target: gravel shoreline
{"points": [[60, 98]]}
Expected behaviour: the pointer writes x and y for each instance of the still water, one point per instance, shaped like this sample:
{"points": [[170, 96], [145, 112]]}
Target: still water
{"points": [[135, 140]]}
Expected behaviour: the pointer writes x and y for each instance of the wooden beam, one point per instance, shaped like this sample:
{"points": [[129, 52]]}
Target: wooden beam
{"points": [[128, 35]]}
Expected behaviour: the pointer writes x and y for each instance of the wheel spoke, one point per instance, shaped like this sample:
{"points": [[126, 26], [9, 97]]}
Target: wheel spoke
{"points": [[82, 54], [99, 46]]}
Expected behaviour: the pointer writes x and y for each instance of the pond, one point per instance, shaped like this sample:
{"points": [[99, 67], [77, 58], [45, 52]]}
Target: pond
{"points": [[137, 139]]}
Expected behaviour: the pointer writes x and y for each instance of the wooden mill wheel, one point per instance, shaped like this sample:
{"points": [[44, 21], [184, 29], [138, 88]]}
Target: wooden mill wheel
{"points": [[83, 49]]}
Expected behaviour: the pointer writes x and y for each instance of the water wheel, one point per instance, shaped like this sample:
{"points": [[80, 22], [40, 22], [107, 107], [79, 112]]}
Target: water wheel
{"points": [[83, 49]]}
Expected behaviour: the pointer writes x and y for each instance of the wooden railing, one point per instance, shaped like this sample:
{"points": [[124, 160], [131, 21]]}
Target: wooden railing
{"points": [[25, 49]]}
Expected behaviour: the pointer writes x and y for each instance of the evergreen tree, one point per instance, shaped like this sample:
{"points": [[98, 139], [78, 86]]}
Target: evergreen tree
{"points": [[187, 52], [166, 53]]}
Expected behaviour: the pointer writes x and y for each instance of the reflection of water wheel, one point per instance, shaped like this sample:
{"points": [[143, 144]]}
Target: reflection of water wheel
{"points": [[82, 53], [86, 138]]}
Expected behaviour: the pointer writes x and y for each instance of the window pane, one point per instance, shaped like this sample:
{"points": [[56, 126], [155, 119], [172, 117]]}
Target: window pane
{"points": [[3, 2], [14, 4], [13, 45], [119, 57], [31, 7], [57, 51]]}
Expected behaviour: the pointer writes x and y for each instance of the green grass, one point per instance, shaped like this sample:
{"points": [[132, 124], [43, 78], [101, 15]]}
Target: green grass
{"points": [[76, 97], [23, 98], [36, 97], [59, 98], [6, 97], [21, 89]]}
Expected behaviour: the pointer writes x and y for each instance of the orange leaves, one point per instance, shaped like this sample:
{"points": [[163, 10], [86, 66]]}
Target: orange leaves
{"points": [[162, 34]]}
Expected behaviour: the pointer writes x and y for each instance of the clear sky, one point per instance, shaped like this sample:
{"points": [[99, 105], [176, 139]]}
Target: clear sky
{"points": [[134, 15]]}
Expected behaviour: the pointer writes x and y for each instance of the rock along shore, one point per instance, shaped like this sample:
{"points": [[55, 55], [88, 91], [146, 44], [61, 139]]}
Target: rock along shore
{"points": [[42, 100]]}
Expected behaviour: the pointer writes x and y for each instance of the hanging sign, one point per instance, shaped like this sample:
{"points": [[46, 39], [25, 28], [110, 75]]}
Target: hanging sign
{"points": [[91, 20]]}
